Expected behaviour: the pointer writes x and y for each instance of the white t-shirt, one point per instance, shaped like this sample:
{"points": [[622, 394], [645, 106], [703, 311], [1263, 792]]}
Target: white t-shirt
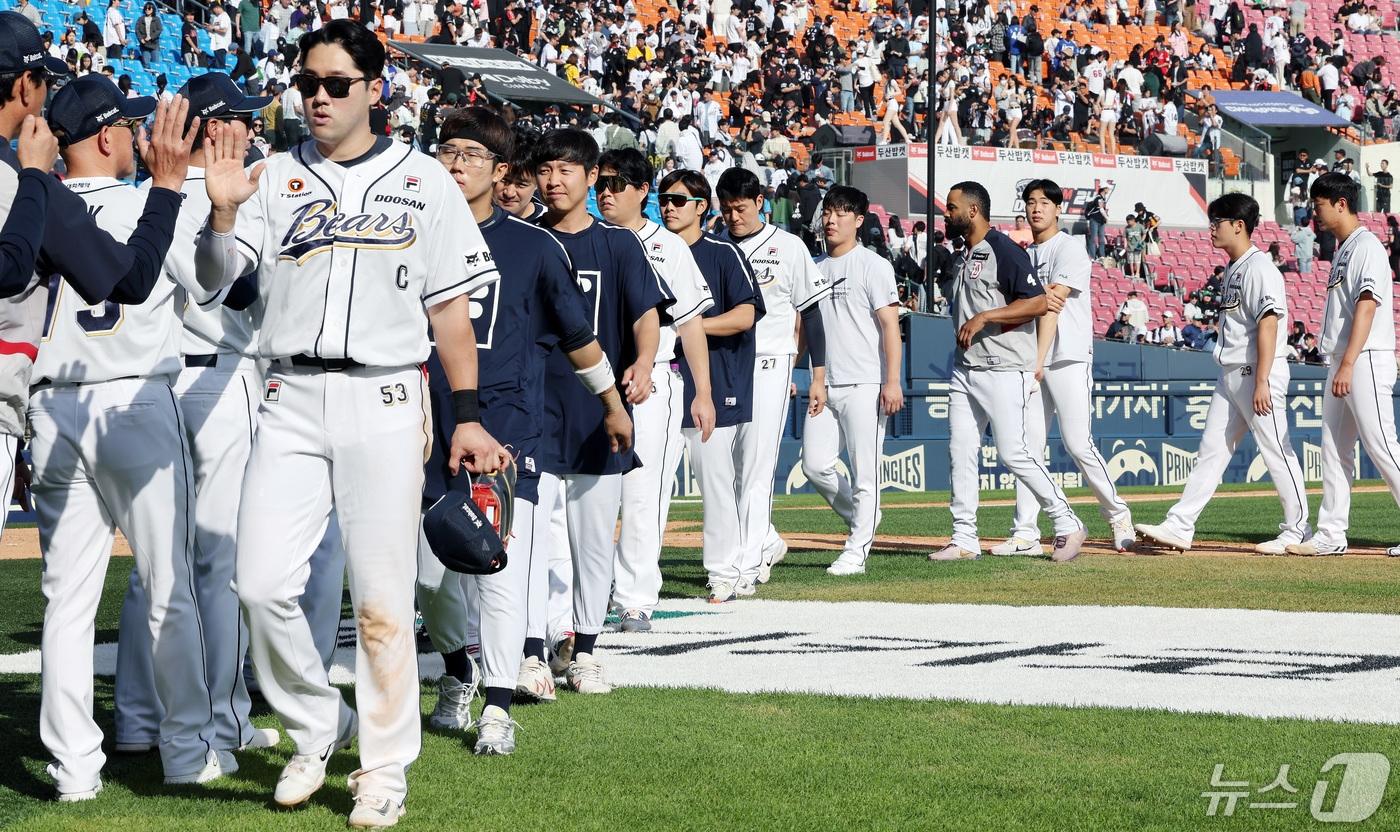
{"points": [[1063, 260], [1360, 266], [863, 282], [1095, 73], [1328, 76], [1252, 288], [790, 283], [220, 31]]}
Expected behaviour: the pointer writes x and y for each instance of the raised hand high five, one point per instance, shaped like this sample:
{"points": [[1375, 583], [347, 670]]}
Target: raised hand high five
{"points": [[166, 150]]}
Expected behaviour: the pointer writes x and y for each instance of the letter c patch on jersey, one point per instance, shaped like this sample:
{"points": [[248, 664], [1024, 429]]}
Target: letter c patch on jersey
{"points": [[274, 389]]}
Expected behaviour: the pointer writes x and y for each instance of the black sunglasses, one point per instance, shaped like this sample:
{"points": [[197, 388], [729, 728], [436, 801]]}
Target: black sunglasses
{"points": [[614, 184], [676, 200], [337, 86]]}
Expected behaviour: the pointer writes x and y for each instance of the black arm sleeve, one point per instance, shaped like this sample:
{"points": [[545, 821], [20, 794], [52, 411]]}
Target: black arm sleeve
{"points": [[96, 265], [23, 234], [816, 335], [243, 292]]}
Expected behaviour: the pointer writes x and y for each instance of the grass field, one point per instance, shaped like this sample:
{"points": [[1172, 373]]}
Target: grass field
{"points": [[668, 759]]}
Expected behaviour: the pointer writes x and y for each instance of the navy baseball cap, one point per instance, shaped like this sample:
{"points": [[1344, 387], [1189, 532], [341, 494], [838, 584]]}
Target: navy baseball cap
{"points": [[215, 95], [22, 48], [84, 106]]}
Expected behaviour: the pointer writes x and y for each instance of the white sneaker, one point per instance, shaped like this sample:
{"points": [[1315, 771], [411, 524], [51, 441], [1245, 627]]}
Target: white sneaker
{"points": [[1320, 548], [216, 765], [1393, 552], [563, 654], [848, 564], [262, 738], [745, 589], [375, 812], [73, 796], [453, 711], [1015, 546], [585, 675], [495, 732], [953, 552], [722, 592], [1067, 546], [1277, 546], [1124, 537], [765, 569], [305, 773], [1162, 537], [535, 681]]}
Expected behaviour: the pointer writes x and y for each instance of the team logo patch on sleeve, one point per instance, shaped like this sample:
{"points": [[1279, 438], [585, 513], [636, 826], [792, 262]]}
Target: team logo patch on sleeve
{"points": [[411, 183], [274, 389]]}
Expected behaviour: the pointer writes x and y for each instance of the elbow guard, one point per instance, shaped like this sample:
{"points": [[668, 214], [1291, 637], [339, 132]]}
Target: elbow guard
{"points": [[816, 334]]}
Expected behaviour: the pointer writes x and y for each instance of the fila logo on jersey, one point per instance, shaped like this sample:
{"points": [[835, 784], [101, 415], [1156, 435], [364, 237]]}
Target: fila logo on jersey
{"points": [[411, 183], [317, 228], [274, 389]]}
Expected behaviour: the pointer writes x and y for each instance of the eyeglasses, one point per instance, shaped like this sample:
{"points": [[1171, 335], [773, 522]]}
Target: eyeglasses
{"points": [[1215, 223], [337, 86], [613, 184], [677, 200], [449, 155]]}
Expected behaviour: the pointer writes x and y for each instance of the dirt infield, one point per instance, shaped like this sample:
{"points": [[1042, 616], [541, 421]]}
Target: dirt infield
{"points": [[23, 542]]}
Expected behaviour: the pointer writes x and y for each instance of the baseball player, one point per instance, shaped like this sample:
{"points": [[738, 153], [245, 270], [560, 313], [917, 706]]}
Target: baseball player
{"points": [[624, 181], [1251, 392], [109, 452], [729, 330], [515, 193], [791, 285], [629, 305], [536, 299], [861, 384], [1358, 336], [1065, 368], [995, 297], [358, 244]]}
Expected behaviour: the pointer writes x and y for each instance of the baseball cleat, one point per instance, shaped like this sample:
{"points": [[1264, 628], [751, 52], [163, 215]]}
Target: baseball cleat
{"points": [[563, 654], [76, 796], [1316, 548], [765, 569], [495, 732], [1277, 546], [953, 552], [453, 711], [1018, 546], [216, 765], [1067, 546], [1162, 537], [305, 773], [1393, 552], [745, 589], [262, 738], [722, 592], [635, 621], [1123, 536], [136, 747], [847, 564], [535, 681], [585, 675], [374, 812]]}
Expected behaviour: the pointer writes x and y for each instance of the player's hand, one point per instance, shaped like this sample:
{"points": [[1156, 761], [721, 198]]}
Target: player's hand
{"points": [[702, 415], [1341, 381], [474, 447], [166, 150], [226, 181], [816, 398], [1039, 373], [1263, 398], [792, 390], [38, 146], [636, 384], [618, 426], [969, 330], [891, 398], [1053, 302], [23, 479]]}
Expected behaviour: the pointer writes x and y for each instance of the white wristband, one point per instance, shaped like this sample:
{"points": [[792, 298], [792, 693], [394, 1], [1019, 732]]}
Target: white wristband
{"points": [[598, 378]]}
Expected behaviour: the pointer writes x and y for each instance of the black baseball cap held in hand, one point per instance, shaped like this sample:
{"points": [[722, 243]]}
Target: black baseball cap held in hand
{"points": [[215, 95], [22, 48], [82, 108]]}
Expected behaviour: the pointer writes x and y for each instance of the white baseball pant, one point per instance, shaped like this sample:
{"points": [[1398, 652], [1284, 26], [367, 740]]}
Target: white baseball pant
{"points": [[113, 455], [324, 596], [454, 605], [557, 612], [759, 441], [1367, 414], [9, 447], [591, 504], [1067, 390], [330, 440], [715, 464], [1231, 416], [1002, 399], [646, 492], [851, 419]]}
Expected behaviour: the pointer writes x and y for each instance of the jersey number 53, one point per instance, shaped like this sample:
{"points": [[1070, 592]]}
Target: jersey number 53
{"points": [[94, 321]]}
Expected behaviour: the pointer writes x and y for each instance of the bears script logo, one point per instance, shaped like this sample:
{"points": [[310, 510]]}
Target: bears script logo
{"points": [[317, 227]]}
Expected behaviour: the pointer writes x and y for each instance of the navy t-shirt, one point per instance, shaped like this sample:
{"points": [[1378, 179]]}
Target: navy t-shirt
{"points": [[619, 287], [536, 298], [731, 283]]}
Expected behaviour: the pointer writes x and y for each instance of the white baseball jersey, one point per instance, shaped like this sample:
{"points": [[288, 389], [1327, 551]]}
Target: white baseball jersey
{"points": [[1251, 289], [672, 260], [83, 343], [790, 283], [210, 327], [1359, 266], [1063, 260], [863, 282], [349, 256]]}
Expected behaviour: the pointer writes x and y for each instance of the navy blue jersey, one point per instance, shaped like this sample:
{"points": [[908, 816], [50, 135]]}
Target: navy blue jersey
{"points": [[620, 286], [732, 283], [535, 297]]}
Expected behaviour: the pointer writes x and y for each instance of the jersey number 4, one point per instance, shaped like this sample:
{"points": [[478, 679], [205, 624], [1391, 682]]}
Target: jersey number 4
{"points": [[94, 321]]}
